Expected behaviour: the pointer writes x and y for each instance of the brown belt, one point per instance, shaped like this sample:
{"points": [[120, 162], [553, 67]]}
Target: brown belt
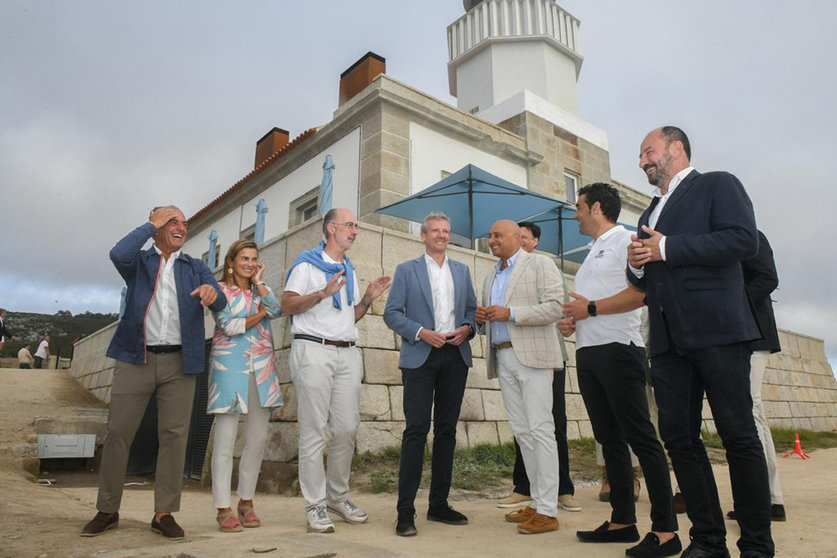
{"points": [[503, 345], [322, 341]]}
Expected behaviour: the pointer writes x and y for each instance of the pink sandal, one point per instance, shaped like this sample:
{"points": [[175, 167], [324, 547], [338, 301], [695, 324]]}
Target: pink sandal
{"points": [[247, 516], [228, 522]]}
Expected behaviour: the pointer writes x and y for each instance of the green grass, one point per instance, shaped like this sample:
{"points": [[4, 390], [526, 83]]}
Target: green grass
{"points": [[485, 468]]}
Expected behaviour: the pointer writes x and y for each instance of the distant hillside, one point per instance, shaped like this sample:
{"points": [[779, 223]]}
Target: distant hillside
{"points": [[63, 327]]}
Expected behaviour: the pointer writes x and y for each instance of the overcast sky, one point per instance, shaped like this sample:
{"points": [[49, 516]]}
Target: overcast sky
{"points": [[110, 107]]}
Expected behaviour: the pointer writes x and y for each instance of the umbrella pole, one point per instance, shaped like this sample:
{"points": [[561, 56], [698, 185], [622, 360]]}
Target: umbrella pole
{"points": [[561, 237], [471, 208]]}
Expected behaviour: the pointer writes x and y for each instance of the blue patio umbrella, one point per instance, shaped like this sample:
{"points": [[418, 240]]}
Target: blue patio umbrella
{"points": [[560, 234], [326, 185], [473, 199]]}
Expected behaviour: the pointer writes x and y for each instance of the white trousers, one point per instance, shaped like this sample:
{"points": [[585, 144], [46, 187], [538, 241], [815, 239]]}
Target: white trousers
{"points": [[255, 437], [758, 363], [327, 381], [527, 396]]}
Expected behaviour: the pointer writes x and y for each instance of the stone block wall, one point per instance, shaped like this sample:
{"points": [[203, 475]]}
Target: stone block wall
{"points": [[799, 387]]}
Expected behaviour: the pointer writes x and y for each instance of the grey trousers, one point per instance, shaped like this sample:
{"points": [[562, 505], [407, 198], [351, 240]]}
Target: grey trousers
{"points": [[132, 388]]}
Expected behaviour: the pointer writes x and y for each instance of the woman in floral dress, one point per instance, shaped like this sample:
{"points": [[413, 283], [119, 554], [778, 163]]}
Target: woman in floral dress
{"points": [[242, 381]]}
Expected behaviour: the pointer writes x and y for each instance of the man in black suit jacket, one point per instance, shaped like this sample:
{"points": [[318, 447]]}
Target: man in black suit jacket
{"points": [[761, 279], [687, 258], [5, 334]]}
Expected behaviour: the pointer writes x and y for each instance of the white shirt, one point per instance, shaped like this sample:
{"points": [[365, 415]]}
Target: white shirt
{"points": [[655, 213], [43, 349], [602, 275], [24, 356], [441, 286], [323, 320], [162, 324]]}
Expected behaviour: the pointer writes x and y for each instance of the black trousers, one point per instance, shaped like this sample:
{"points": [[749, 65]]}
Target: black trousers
{"points": [[680, 379], [437, 385], [611, 378], [559, 414]]}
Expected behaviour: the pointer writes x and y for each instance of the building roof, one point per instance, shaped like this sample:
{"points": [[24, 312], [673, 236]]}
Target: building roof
{"points": [[256, 171]]}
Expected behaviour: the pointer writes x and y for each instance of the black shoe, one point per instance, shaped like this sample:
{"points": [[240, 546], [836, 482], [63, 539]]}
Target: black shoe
{"points": [[694, 551], [679, 503], [650, 547], [99, 524], [167, 527], [777, 513], [405, 526], [753, 554], [447, 515], [603, 535]]}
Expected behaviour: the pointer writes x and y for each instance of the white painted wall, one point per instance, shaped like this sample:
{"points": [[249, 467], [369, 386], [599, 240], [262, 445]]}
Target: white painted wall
{"points": [[432, 152], [536, 66], [346, 181], [227, 227], [346, 178]]}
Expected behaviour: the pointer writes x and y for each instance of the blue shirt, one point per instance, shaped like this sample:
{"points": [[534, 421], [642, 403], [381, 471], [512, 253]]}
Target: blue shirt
{"points": [[500, 330]]}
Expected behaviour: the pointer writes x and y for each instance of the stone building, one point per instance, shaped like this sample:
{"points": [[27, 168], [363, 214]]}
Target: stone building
{"points": [[513, 69]]}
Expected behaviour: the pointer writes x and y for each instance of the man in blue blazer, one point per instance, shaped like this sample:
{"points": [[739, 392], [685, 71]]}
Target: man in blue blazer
{"points": [[431, 306], [687, 258]]}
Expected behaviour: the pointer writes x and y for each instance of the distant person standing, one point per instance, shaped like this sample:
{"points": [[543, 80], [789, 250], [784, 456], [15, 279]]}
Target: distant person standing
{"points": [[24, 358], [42, 353], [159, 348], [4, 333]]}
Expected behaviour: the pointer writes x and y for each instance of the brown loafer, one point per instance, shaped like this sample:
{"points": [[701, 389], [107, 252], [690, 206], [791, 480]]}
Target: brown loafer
{"points": [[522, 515], [100, 523], [167, 527], [537, 524]]}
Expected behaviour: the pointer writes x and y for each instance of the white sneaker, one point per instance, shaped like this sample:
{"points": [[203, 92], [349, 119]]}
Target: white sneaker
{"points": [[318, 520], [348, 512]]}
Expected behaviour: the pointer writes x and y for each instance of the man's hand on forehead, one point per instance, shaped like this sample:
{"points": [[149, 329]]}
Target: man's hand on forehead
{"points": [[159, 217]]}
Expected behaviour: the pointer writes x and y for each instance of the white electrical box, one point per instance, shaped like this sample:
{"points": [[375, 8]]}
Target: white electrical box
{"points": [[66, 445]]}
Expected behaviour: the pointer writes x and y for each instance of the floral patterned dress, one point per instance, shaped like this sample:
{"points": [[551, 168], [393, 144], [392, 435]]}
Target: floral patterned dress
{"points": [[237, 353]]}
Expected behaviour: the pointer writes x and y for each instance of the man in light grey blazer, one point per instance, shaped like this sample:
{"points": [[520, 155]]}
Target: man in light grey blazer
{"points": [[431, 306], [521, 300]]}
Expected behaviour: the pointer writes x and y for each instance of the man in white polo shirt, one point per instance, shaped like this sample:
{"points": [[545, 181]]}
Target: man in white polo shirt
{"points": [[323, 299], [610, 360]]}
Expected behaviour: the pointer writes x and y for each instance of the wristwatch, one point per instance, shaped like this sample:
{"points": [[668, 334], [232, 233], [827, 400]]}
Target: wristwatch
{"points": [[591, 308]]}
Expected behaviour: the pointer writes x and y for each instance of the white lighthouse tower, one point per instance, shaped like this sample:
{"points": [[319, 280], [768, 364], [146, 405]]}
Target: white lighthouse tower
{"points": [[511, 56]]}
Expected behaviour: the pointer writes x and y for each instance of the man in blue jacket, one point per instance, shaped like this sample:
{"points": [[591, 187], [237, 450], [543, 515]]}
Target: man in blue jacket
{"points": [[432, 307], [158, 347]]}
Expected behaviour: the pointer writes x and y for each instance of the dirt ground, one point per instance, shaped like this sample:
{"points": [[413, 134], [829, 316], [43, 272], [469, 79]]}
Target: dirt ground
{"points": [[45, 521]]}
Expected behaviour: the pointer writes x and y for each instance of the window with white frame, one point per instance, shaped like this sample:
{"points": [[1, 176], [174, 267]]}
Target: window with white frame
{"points": [[249, 233], [306, 206], [571, 181]]}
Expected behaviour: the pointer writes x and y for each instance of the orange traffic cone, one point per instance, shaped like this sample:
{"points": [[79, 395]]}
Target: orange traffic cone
{"points": [[797, 448]]}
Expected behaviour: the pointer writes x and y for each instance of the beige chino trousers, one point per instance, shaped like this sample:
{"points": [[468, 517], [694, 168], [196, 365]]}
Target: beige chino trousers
{"points": [[132, 388]]}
